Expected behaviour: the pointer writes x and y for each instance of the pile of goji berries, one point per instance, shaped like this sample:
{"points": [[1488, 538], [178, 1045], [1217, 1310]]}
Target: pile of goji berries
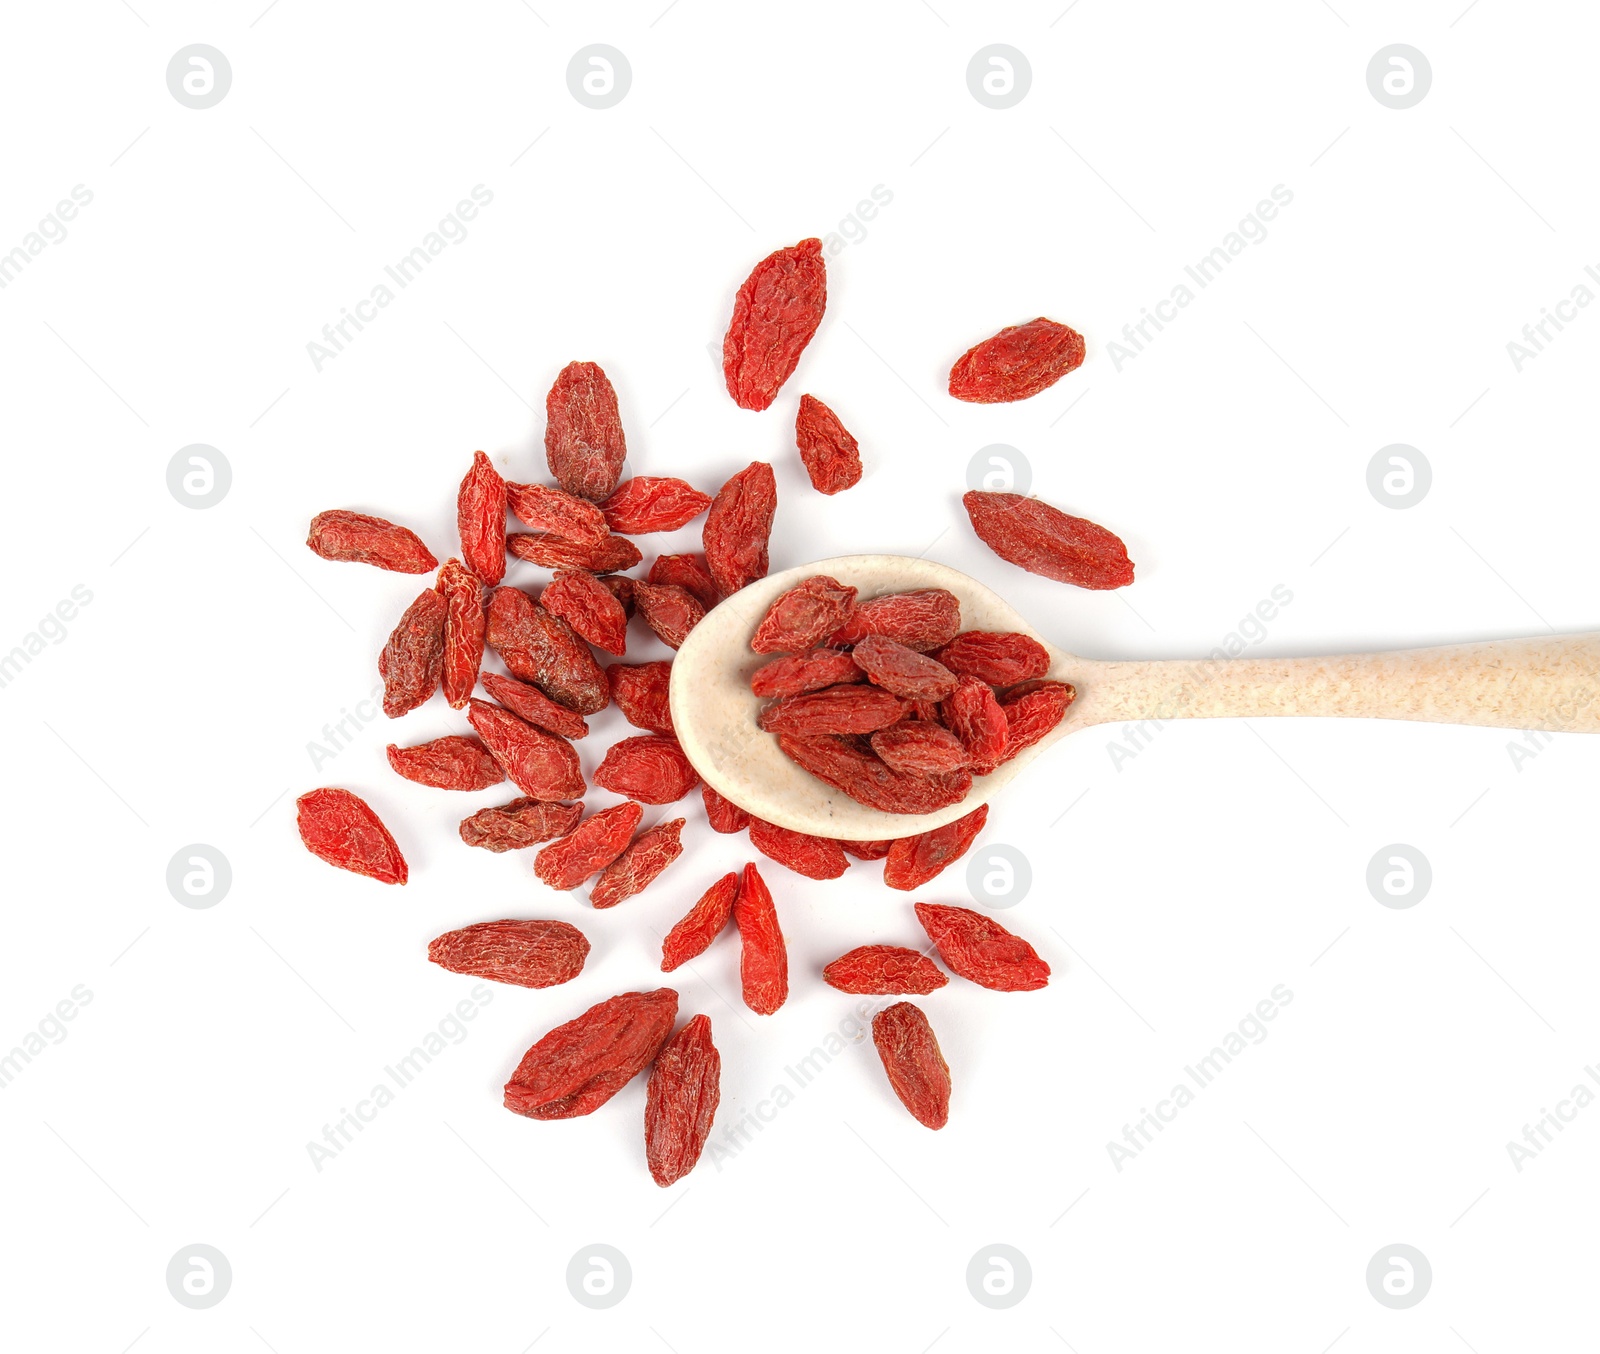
{"points": [[885, 698]]}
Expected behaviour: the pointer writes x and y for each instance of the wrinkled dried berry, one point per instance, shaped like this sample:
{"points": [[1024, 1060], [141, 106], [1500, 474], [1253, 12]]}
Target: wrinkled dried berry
{"points": [[672, 612], [1043, 540], [527, 953], [342, 829], [1016, 363], [814, 857], [412, 662], [653, 503], [919, 748], [541, 648], [867, 850], [640, 691], [1000, 659], [451, 763], [884, 971], [974, 715], [763, 957], [693, 934], [831, 455], [1031, 716], [583, 439], [481, 520], [649, 767], [519, 824], [688, 572], [922, 620], [355, 538], [555, 512], [529, 703], [835, 709], [549, 551], [622, 589], [465, 618], [643, 859], [738, 526], [903, 671], [723, 814], [867, 780], [681, 1101], [777, 310], [917, 1070], [804, 616], [543, 765], [913, 861], [982, 951], [597, 841], [796, 674], [579, 1066], [589, 607]]}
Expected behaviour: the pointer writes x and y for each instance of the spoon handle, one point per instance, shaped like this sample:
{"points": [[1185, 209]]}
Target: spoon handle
{"points": [[1551, 683]]}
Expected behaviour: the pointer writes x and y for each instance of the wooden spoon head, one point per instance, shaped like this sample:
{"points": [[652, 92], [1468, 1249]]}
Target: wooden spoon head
{"points": [[714, 711]]}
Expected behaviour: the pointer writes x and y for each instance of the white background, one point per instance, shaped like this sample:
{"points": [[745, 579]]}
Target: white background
{"points": [[1184, 883]]}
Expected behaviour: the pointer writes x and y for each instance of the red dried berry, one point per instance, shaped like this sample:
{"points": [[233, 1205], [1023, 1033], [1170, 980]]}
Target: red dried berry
{"points": [[867, 780], [681, 1101], [1000, 659], [800, 673], [918, 748], [804, 616], [541, 648], [1043, 540], [549, 551], [672, 612], [763, 957], [481, 520], [649, 767], [451, 763], [579, 1066], [922, 620], [529, 703], [723, 814], [640, 692], [913, 861], [527, 953], [738, 525], [1031, 716], [884, 971], [1016, 363], [776, 312], [867, 850], [636, 868], [543, 765], [688, 572], [355, 538], [519, 824], [917, 1070], [903, 671], [982, 951], [557, 513], [583, 440], [597, 841], [693, 934], [413, 660], [342, 829], [465, 619], [832, 456], [974, 715], [622, 589], [835, 709], [589, 607], [814, 857], [653, 503]]}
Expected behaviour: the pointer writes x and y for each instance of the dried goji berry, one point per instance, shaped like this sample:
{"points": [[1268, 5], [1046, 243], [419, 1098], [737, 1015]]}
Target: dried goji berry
{"points": [[693, 934], [1043, 540], [867, 780], [653, 503], [1018, 362], [527, 953], [649, 767], [622, 589], [450, 763], [738, 525], [777, 310], [543, 765], [1000, 659], [541, 648], [481, 520], [668, 610], [583, 439], [913, 861], [903, 671], [921, 620], [832, 456], [835, 709], [644, 858], [763, 957], [549, 551], [804, 616], [529, 703], [519, 824], [579, 1066], [342, 829], [883, 971], [974, 715], [681, 1101], [589, 607], [640, 691], [355, 538], [814, 857], [557, 513], [867, 850], [919, 748], [917, 1070], [464, 620], [1031, 716], [799, 673], [723, 814], [413, 660], [688, 572], [597, 841], [982, 951]]}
